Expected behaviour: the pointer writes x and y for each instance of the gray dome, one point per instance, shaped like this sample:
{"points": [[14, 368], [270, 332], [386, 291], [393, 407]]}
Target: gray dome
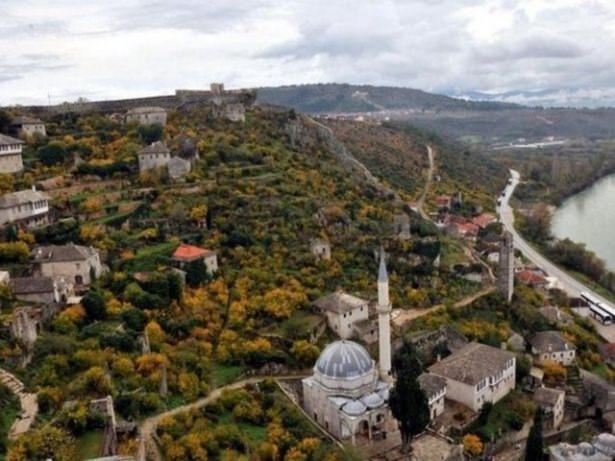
{"points": [[344, 359], [354, 408], [372, 400]]}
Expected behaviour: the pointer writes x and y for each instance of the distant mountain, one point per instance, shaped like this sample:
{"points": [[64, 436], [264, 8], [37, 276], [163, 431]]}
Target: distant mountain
{"points": [[344, 98], [560, 97]]}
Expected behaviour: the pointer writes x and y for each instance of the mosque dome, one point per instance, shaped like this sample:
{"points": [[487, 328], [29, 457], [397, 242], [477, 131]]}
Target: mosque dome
{"points": [[354, 408], [344, 360], [372, 400]]}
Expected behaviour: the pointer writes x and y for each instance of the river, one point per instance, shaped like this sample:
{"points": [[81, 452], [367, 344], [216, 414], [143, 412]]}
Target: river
{"points": [[589, 217]]}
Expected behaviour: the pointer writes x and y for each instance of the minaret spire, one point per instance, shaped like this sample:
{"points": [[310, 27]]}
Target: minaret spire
{"points": [[384, 320]]}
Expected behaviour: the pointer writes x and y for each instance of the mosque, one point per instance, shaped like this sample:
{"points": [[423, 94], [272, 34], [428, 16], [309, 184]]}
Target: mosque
{"points": [[348, 393]]}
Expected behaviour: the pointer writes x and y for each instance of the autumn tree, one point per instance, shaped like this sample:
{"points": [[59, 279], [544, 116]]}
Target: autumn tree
{"points": [[48, 442], [408, 401], [472, 445]]}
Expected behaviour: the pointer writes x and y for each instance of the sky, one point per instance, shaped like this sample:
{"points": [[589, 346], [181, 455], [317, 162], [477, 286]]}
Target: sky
{"points": [[519, 50]]}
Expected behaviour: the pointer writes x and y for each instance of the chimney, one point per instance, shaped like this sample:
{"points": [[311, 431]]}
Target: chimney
{"points": [[33, 187]]}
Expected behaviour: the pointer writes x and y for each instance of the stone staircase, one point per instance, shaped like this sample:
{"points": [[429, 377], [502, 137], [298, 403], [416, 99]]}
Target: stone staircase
{"points": [[574, 380], [27, 401]]}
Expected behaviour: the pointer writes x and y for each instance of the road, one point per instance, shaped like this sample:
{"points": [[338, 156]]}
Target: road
{"points": [[421, 201], [567, 282]]}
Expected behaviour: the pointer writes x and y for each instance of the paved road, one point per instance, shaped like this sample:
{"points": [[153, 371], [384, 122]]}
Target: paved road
{"points": [[568, 283]]}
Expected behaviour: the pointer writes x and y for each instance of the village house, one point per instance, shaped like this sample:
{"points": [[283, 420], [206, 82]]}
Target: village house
{"points": [[484, 220], [76, 263], [533, 278], [27, 126], [156, 155], [444, 202], [178, 167], [555, 316], [551, 346], [435, 391], [10, 154], [29, 208], [343, 312], [476, 374], [462, 229], [551, 402], [321, 249], [185, 254], [147, 116], [40, 290]]}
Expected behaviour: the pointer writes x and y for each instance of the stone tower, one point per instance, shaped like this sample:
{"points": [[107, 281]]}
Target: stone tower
{"points": [[384, 321], [507, 266]]}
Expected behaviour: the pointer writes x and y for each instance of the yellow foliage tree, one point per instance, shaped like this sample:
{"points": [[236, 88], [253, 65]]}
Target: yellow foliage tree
{"points": [[472, 445]]}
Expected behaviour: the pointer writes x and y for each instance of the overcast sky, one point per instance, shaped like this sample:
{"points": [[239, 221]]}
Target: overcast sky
{"points": [[123, 48]]}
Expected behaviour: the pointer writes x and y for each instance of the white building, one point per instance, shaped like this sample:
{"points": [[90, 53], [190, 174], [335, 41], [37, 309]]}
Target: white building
{"points": [[156, 155], [435, 390], [551, 402], [28, 126], [347, 394], [551, 346], [10, 154], [321, 249], [186, 254], [75, 263], [343, 312], [29, 208], [476, 374], [147, 116]]}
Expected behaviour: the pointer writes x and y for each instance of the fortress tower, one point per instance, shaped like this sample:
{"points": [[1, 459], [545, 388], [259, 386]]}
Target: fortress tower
{"points": [[384, 321]]}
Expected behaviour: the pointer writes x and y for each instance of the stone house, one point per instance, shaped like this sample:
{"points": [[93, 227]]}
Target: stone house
{"points": [[147, 116], [401, 225], [343, 312], [156, 155], [10, 154], [552, 346], [321, 249], [178, 167], [40, 290], [27, 126], [435, 390], [551, 402], [28, 208], [74, 263], [476, 374], [185, 254]]}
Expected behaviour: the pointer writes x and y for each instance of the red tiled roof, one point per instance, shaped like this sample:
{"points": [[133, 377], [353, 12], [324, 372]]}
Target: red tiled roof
{"points": [[484, 220], [530, 278], [443, 199], [467, 228], [190, 252]]}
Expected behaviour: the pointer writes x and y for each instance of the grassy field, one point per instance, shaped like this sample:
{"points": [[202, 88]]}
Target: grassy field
{"points": [[88, 445], [226, 374]]}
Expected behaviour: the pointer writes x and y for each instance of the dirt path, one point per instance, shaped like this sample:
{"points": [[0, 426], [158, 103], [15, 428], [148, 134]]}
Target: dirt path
{"points": [[147, 446], [27, 401], [430, 171]]}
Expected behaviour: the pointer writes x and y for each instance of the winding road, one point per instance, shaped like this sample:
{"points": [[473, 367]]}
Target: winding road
{"points": [[567, 282]]}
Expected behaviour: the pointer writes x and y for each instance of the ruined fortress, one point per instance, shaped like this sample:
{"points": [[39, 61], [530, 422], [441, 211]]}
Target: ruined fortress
{"points": [[227, 103]]}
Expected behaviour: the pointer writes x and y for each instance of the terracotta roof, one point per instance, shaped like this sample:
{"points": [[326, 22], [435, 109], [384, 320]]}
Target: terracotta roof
{"points": [[443, 199], [190, 253], [472, 363], [529, 277], [484, 220]]}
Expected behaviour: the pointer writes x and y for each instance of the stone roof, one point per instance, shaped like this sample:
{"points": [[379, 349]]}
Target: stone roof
{"points": [[25, 120], [344, 360], [546, 397], [9, 141], [31, 285], [61, 253], [157, 147], [179, 162], [145, 110], [472, 363], [550, 341], [340, 302], [431, 384], [14, 199]]}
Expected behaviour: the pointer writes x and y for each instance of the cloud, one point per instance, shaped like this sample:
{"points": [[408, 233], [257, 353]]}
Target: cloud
{"points": [[121, 48]]}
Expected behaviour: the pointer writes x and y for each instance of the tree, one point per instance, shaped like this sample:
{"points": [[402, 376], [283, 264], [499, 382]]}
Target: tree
{"points": [[47, 442], [472, 445], [408, 401], [94, 305], [150, 133], [5, 121], [52, 153], [534, 450]]}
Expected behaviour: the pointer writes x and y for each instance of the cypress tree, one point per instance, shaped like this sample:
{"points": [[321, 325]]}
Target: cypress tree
{"points": [[408, 401], [534, 450]]}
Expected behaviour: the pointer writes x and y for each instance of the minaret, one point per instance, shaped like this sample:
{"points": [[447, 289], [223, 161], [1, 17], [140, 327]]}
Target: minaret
{"points": [[507, 266], [384, 320]]}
